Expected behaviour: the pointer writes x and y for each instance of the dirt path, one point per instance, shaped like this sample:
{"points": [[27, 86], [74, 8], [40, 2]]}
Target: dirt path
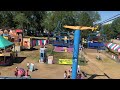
{"points": [[107, 66], [47, 71]]}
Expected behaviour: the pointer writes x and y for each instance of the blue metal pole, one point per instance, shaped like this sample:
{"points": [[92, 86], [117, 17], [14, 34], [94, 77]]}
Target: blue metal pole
{"points": [[75, 53]]}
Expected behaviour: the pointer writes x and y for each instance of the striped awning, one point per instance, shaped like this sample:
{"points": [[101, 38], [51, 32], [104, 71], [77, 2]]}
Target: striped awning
{"points": [[113, 46]]}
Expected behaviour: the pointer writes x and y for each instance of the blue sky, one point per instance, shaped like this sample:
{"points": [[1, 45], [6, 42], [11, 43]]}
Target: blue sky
{"points": [[107, 14]]}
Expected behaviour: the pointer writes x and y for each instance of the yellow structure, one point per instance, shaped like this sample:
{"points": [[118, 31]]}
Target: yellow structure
{"points": [[80, 27]]}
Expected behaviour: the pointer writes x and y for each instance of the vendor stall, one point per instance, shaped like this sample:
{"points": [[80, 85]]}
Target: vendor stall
{"points": [[4, 44]]}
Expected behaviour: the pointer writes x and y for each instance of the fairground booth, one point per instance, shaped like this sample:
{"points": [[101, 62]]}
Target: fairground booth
{"points": [[114, 51], [5, 46]]}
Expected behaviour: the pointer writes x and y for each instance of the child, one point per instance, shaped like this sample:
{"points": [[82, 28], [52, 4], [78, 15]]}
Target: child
{"points": [[28, 65], [68, 76]]}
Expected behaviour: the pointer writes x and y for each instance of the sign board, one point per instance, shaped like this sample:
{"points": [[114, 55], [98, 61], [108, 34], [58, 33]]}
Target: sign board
{"points": [[65, 61]]}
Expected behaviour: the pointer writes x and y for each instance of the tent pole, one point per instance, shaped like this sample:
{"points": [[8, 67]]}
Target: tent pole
{"points": [[4, 54], [14, 47]]}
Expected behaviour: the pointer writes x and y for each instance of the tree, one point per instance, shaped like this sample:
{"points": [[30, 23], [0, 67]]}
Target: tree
{"points": [[85, 18], [20, 19], [115, 27], [52, 18], [94, 15], [107, 30], [6, 18], [35, 18], [31, 20]]}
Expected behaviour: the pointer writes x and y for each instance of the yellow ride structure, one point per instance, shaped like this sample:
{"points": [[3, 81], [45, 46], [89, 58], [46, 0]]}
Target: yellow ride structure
{"points": [[81, 27]]}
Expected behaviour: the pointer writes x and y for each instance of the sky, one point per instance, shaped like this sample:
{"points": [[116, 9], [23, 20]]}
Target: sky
{"points": [[107, 14]]}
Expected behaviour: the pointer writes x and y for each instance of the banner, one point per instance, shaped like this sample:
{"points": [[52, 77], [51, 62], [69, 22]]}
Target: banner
{"points": [[65, 61]]}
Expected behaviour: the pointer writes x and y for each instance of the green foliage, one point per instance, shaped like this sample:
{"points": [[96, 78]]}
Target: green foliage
{"points": [[108, 31], [37, 20], [115, 27], [20, 19], [83, 18], [52, 18], [112, 30]]}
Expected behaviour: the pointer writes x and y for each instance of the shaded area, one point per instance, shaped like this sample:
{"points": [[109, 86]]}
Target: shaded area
{"points": [[96, 75], [92, 76], [32, 49], [8, 61], [19, 59]]}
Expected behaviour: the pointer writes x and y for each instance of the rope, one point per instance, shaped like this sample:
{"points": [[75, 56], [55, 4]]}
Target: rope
{"points": [[110, 19]]}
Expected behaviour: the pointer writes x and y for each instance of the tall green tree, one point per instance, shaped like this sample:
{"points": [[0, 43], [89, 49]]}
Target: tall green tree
{"points": [[20, 19], [52, 18], [82, 18], [107, 30], [115, 27]]}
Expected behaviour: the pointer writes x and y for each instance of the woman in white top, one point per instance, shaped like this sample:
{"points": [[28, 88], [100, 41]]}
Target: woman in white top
{"points": [[28, 65], [65, 75]]}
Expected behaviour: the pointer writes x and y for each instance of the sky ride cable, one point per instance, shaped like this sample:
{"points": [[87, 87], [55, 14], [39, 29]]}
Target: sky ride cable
{"points": [[110, 19]]}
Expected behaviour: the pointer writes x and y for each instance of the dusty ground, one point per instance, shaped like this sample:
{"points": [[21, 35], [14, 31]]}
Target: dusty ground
{"points": [[94, 69], [45, 71], [107, 66]]}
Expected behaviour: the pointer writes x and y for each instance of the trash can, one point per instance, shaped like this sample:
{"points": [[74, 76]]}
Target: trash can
{"points": [[42, 55]]}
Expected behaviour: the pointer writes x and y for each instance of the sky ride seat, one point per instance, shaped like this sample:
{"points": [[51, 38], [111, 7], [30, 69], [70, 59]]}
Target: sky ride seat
{"points": [[96, 45], [62, 42]]}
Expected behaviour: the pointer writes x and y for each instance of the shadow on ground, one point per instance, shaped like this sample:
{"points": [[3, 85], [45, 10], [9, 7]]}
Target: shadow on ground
{"points": [[19, 59], [92, 76], [32, 49]]}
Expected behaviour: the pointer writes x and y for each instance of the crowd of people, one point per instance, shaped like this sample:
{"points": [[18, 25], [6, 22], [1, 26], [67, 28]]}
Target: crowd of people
{"points": [[68, 73]]}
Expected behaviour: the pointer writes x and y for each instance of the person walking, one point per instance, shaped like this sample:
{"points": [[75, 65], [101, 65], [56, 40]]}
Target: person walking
{"points": [[28, 65], [65, 75]]}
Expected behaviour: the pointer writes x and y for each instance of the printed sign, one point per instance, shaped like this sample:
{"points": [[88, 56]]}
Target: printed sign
{"points": [[65, 61]]}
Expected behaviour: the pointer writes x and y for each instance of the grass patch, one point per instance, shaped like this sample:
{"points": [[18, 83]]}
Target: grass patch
{"points": [[62, 55]]}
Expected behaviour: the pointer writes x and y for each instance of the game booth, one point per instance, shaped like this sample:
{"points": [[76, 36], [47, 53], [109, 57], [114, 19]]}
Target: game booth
{"points": [[20, 41], [5, 45], [114, 51]]}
